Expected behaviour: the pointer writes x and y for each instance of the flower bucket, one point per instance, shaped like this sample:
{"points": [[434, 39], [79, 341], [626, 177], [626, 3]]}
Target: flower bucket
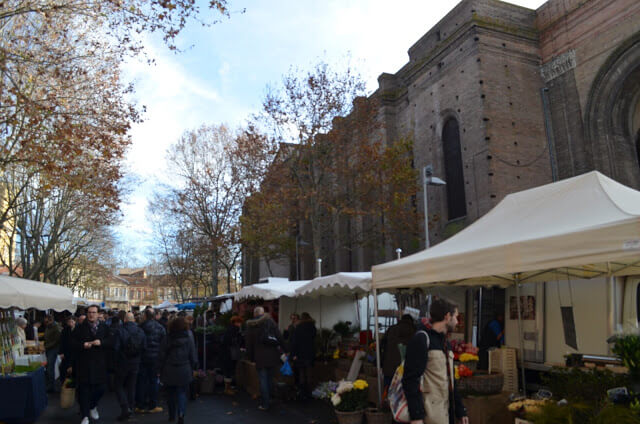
{"points": [[207, 384], [376, 416], [351, 417]]}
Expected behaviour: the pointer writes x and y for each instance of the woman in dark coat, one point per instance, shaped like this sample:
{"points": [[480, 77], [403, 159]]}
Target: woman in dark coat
{"points": [[232, 342], [177, 362], [303, 352]]}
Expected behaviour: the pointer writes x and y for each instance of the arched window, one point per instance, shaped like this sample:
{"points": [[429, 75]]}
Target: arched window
{"points": [[454, 176]]}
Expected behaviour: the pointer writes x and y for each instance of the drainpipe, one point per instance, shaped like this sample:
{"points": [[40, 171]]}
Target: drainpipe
{"points": [[544, 93]]}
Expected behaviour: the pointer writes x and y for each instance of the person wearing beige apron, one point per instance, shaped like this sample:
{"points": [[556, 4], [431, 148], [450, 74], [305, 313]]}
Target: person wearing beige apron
{"points": [[428, 380]]}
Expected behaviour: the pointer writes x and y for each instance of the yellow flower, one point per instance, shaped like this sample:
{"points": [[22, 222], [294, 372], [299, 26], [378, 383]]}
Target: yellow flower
{"points": [[336, 354], [360, 384], [457, 374], [466, 357]]}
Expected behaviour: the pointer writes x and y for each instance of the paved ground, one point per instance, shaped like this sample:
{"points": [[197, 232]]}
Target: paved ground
{"points": [[218, 409]]}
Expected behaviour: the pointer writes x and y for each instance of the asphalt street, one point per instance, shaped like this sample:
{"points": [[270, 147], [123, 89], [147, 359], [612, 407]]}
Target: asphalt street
{"points": [[217, 408]]}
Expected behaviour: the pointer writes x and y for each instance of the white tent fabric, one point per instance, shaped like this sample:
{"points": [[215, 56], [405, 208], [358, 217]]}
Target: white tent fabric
{"points": [[275, 289], [581, 227], [165, 305], [340, 284], [24, 294]]}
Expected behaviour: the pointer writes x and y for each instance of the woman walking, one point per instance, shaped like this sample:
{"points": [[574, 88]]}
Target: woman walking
{"points": [[232, 342], [177, 362]]}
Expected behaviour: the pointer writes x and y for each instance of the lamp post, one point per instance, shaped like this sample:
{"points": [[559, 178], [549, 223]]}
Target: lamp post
{"points": [[428, 179], [398, 253], [319, 262]]}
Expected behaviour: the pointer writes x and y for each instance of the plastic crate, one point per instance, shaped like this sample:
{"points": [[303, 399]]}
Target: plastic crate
{"points": [[505, 361]]}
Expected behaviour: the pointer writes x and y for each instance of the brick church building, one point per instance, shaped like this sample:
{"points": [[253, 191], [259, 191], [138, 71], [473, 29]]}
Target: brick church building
{"points": [[499, 98]]}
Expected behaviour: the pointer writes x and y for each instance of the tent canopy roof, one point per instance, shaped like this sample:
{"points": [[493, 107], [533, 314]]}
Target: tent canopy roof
{"points": [[24, 294], [274, 289], [581, 227], [340, 284]]}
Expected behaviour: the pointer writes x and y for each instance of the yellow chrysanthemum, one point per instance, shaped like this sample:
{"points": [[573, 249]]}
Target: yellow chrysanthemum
{"points": [[360, 384]]}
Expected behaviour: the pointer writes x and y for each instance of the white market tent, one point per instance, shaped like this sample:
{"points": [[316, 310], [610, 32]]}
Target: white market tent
{"points": [[340, 284], [24, 294], [274, 289], [583, 227], [166, 305]]}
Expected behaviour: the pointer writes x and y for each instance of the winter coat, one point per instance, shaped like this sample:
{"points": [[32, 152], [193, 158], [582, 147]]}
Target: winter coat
{"points": [[232, 341], [52, 336], [124, 333], [303, 346], [66, 343], [91, 364], [397, 334], [154, 332], [265, 356], [177, 359]]}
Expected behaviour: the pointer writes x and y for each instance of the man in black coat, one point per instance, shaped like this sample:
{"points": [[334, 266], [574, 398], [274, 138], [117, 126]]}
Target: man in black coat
{"points": [[66, 347], [90, 339], [303, 353], [130, 343], [263, 341], [148, 383]]}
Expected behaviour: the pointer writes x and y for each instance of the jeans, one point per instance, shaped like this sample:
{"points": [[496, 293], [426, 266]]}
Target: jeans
{"points": [[125, 382], [266, 384], [147, 387], [88, 396], [52, 355], [177, 396]]}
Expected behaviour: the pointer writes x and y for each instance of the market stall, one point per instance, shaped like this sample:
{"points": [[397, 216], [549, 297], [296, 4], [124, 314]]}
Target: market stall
{"points": [[22, 384], [581, 228]]}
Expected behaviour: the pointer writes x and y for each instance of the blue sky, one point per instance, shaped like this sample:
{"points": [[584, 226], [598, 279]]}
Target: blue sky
{"points": [[222, 74]]}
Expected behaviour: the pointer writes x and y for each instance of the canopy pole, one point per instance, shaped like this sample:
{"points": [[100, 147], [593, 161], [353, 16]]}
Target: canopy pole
{"points": [[358, 312], [377, 330], [524, 381], [204, 343]]}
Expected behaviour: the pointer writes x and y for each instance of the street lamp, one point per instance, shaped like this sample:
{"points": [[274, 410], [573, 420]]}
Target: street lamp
{"points": [[428, 179], [398, 252]]}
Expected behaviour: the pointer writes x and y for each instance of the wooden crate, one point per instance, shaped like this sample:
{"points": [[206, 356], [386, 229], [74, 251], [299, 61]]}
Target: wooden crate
{"points": [[505, 360]]}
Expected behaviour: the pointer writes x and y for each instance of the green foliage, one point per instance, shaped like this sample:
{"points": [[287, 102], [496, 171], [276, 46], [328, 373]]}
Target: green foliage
{"points": [[580, 386], [616, 414], [344, 329], [552, 413], [224, 319], [627, 348], [325, 343], [354, 400]]}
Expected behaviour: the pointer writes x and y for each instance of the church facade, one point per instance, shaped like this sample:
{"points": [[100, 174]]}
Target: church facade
{"points": [[499, 98]]}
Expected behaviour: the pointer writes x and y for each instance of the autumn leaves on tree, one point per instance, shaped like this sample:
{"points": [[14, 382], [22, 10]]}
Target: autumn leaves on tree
{"points": [[64, 124]]}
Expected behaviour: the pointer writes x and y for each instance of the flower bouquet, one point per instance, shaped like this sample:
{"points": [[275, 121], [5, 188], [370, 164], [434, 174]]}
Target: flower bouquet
{"points": [[350, 400], [325, 390]]}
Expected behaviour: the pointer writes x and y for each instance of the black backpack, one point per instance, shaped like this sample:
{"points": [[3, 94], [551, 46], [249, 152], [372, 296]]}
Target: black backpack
{"points": [[269, 335], [134, 343]]}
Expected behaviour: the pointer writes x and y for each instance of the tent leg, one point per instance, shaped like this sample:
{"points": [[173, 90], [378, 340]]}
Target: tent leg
{"points": [[204, 344], [520, 336], [377, 330]]}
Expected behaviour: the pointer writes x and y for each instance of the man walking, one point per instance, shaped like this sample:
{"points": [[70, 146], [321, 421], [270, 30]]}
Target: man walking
{"points": [[90, 339], [52, 348], [129, 346], [66, 347], [263, 341], [148, 384], [429, 354]]}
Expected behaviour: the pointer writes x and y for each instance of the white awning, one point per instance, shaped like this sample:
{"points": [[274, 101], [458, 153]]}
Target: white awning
{"points": [[275, 289], [165, 305], [340, 284], [582, 227], [24, 294]]}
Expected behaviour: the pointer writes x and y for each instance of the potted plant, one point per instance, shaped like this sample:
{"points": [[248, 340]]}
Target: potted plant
{"points": [[627, 348], [350, 401]]}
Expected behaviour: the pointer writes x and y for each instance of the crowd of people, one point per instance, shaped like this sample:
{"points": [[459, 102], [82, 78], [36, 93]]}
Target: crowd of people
{"points": [[140, 352], [135, 354]]}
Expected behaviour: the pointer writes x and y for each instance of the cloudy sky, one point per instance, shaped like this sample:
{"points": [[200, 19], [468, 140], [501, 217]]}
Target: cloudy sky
{"points": [[221, 75]]}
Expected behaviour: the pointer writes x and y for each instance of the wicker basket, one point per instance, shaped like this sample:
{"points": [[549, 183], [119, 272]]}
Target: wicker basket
{"points": [[354, 417], [375, 416], [481, 384]]}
